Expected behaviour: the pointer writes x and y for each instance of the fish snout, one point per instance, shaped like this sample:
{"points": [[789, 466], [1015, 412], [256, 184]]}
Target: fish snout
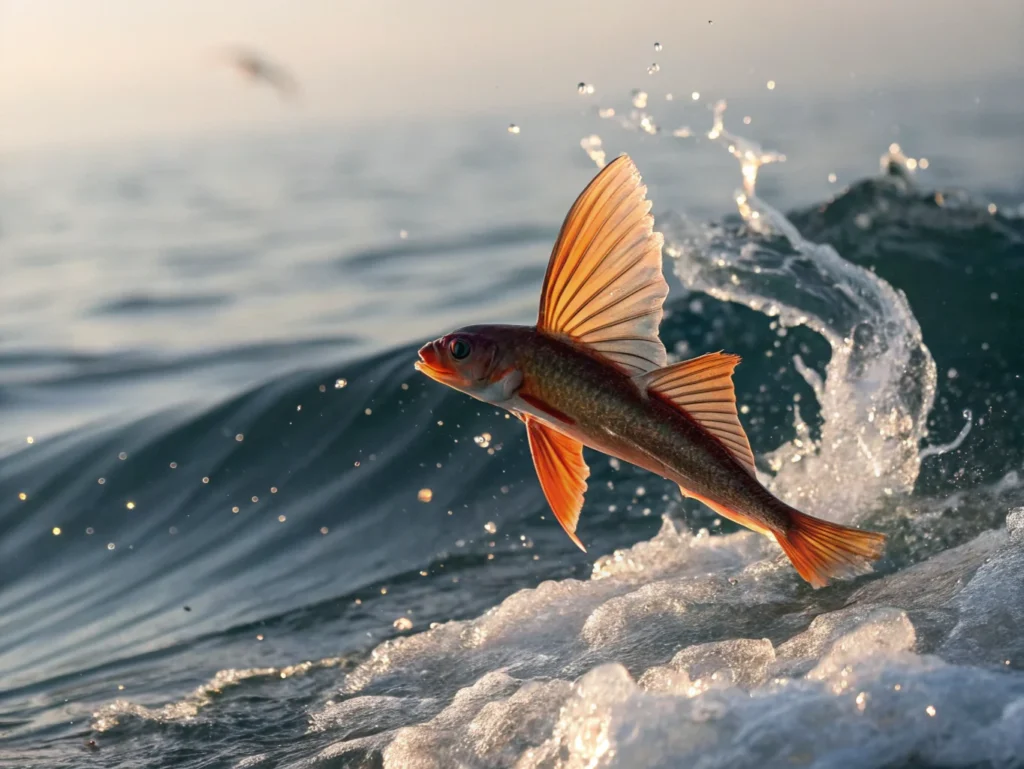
{"points": [[428, 353], [432, 359]]}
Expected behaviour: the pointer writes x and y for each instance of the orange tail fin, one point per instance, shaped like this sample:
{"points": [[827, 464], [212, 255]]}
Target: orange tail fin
{"points": [[821, 550]]}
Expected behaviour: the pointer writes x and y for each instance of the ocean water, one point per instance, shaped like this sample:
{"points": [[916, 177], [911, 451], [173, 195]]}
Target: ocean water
{"points": [[214, 448]]}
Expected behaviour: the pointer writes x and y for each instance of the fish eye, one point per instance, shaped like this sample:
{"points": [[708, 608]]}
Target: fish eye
{"points": [[460, 349]]}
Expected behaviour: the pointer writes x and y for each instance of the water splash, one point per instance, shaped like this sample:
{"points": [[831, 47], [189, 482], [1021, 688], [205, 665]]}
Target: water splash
{"points": [[750, 154], [953, 445], [594, 148], [879, 385]]}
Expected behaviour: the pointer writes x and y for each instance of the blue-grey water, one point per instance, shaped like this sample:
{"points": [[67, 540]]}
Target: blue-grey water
{"points": [[213, 443]]}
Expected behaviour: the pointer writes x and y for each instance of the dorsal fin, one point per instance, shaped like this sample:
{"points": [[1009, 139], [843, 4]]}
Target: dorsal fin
{"points": [[558, 460], [702, 387], [604, 287]]}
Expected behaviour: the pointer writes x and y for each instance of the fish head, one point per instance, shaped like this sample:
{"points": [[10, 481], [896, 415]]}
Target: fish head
{"points": [[473, 360]]}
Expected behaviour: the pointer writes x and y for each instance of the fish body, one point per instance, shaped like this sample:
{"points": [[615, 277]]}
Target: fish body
{"points": [[593, 373]]}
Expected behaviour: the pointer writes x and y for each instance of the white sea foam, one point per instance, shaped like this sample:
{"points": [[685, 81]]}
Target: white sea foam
{"points": [[673, 655]]}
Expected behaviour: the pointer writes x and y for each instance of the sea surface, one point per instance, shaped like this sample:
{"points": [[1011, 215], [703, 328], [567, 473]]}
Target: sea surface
{"points": [[237, 529]]}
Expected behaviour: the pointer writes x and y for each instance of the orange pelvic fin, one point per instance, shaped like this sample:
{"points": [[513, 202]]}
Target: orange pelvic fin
{"points": [[821, 550], [562, 472]]}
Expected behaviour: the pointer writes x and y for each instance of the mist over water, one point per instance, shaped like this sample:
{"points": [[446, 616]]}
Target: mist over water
{"points": [[216, 549]]}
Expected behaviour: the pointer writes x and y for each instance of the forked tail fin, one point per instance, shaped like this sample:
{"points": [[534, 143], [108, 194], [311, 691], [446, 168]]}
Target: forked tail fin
{"points": [[821, 550]]}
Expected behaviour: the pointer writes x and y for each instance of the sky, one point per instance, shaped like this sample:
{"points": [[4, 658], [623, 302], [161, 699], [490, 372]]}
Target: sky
{"points": [[75, 71]]}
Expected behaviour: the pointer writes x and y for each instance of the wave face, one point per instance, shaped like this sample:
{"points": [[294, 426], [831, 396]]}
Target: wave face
{"points": [[222, 557]]}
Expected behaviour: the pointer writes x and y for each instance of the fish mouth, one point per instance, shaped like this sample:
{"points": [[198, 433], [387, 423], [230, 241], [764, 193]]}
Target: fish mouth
{"points": [[430, 364]]}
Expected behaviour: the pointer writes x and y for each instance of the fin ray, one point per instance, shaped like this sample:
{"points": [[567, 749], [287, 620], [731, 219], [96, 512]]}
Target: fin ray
{"points": [[605, 273], [563, 474], [702, 388]]}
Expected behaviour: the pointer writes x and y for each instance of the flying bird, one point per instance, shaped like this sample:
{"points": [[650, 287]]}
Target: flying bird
{"points": [[259, 68]]}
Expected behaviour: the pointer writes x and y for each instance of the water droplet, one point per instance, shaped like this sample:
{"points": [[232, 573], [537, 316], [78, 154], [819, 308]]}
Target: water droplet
{"points": [[425, 495], [491, 527], [654, 69], [832, 178], [771, 85], [30, 439], [90, 530], [323, 529], [123, 455], [584, 89], [340, 383], [657, 47], [56, 531], [640, 99], [403, 623], [174, 465], [130, 505], [235, 509], [239, 437], [513, 128], [111, 546], [403, 234], [930, 710], [22, 496], [695, 95], [992, 208], [282, 518], [101, 481]]}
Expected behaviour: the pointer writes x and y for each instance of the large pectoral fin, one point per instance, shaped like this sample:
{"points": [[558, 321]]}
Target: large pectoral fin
{"points": [[562, 472], [604, 287]]}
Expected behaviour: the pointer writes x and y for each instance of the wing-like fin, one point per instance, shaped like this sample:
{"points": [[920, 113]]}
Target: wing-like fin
{"points": [[604, 286], [562, 472], [702, 387]]}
